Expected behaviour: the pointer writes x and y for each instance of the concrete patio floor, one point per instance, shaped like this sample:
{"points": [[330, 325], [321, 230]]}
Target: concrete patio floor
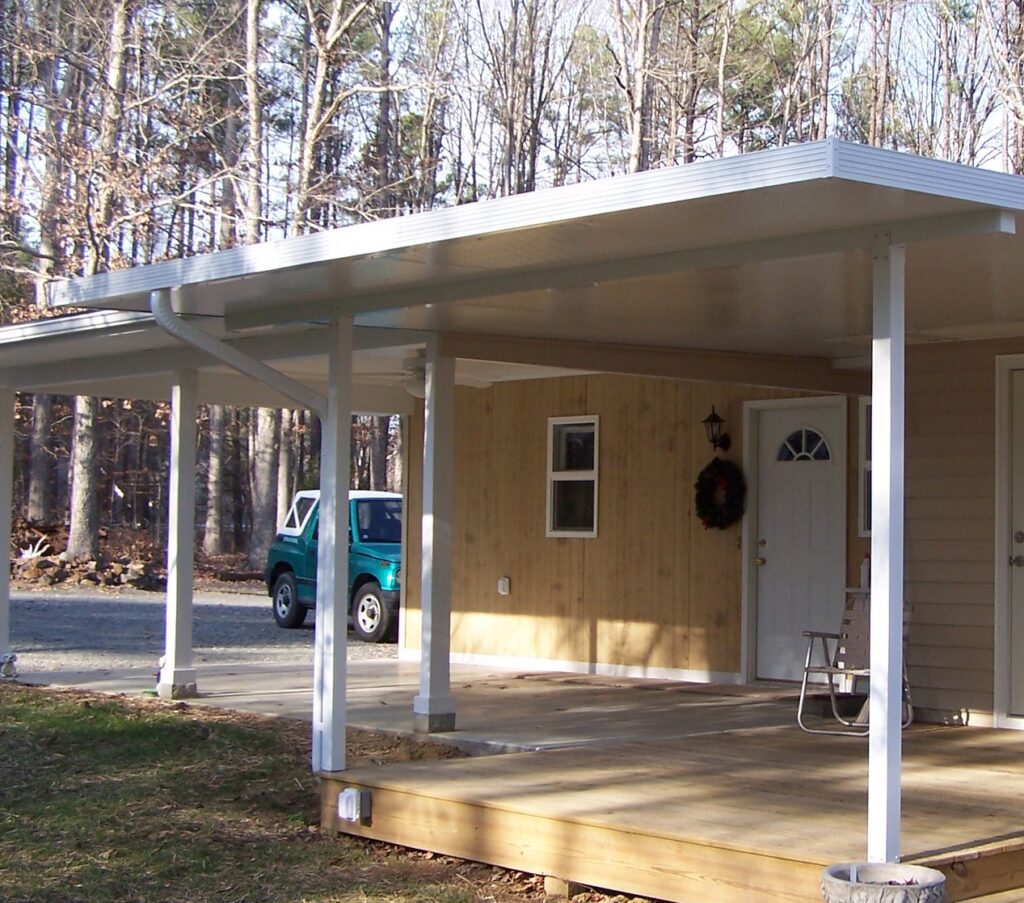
{"points": [[497, 710]]}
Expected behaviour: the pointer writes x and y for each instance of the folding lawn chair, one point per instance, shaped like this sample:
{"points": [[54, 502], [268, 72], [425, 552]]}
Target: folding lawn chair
{"points": [[845, 656]]}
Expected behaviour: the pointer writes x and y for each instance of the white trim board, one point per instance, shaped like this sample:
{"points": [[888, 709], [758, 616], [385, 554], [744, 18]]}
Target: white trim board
{"points": [[600, 669]]}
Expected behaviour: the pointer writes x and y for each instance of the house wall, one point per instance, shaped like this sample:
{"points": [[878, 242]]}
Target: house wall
{"points": [[654, 590], [950, 523]]}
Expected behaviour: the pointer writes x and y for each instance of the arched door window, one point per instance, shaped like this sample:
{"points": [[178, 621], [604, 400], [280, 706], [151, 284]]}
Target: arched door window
{"points": [[804, 445]]}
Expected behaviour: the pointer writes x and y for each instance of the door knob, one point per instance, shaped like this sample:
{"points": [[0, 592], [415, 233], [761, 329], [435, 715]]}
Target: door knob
{"points": [[762, 561], [1017, 561]]}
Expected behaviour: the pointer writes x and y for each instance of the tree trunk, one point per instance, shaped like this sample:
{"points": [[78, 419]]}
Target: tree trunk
{"points": [[83, 539], [315, 435], [254, 106], [264, 487], [213, 538], [110, 124], [239, 479], [379, 453], [285, 465], [827, 14], [41, 496], [397, 470]]}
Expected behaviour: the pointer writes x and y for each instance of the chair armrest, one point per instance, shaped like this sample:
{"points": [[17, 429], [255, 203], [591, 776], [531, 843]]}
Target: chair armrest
{"points": [[818, 633]]}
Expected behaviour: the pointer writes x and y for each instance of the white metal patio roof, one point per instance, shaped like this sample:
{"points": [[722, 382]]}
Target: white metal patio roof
{"points": [[768, 253]]}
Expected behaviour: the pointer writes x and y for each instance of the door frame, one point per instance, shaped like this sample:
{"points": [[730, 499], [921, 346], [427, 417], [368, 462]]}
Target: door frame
{"points": [[1002, 659], [748, 541]]}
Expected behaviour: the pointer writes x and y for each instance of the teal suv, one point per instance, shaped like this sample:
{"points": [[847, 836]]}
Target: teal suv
{"points": [[374, 563]]}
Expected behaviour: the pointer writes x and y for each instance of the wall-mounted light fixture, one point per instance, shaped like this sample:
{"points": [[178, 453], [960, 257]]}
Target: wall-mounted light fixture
{"points": [[713, 427]]}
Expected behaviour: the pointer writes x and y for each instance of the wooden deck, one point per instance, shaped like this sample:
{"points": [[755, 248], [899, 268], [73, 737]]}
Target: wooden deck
{"points": [[740, 815]]}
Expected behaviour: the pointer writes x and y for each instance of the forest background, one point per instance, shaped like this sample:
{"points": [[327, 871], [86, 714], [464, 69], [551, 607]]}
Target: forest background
{"points": [[135, 131]]}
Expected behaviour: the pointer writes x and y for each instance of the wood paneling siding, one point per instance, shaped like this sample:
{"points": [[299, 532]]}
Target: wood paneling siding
{"points": [[654, 590]]}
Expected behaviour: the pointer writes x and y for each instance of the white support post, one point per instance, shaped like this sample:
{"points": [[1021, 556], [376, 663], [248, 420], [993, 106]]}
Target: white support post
{"points": [[434, 707], [887, 432], [6, 498], [329, 661], [177, 674]]}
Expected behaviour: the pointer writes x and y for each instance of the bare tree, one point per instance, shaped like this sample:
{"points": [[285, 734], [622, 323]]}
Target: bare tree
{"points": [[83, 537], [213, 534], [638, 25], [264, 485], [1003, 26]]}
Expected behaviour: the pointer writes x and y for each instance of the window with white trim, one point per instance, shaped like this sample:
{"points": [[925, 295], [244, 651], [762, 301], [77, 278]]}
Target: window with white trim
{"points": [[864, 470], [572, 476]]}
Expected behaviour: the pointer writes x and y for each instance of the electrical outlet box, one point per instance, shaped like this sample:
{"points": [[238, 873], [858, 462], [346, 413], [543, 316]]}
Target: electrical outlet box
{"points": [[354, 805], [504, 586]]}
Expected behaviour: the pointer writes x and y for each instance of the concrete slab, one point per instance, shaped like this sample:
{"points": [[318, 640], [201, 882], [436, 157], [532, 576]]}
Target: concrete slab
{"points": [[497, 710]]}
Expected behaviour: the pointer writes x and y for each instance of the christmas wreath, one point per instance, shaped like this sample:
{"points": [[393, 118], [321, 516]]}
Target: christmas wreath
{"points": [[721, 494]]}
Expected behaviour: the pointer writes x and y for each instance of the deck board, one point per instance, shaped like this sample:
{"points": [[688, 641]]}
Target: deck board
{"points": [[709, 817]]}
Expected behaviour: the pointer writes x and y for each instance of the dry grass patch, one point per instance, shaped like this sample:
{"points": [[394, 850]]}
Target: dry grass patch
{"points": [[118, 799]]}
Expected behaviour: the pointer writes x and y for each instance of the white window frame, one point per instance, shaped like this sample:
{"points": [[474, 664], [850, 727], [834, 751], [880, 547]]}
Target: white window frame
{"points": [[863, 468], [554, 476], [290, 525]]}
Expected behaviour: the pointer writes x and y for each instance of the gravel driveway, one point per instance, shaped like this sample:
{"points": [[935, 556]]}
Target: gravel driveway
{"points": [[84, 630]]}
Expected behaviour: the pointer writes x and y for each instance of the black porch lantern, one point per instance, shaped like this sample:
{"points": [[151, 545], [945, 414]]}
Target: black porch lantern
{"points": [[713, 427]]}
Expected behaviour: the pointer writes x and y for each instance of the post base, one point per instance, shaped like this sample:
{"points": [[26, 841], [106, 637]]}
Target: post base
{"points": [[177, 685], [438, 723]]}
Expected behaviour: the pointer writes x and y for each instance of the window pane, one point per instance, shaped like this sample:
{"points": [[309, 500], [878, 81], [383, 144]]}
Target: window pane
{"points": [[804, 445], [573, 447], [302, 506], [572, 505], [379, 520]]}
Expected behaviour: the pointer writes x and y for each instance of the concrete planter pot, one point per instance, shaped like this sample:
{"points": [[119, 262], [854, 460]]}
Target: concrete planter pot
{"points": [[863, 882]]}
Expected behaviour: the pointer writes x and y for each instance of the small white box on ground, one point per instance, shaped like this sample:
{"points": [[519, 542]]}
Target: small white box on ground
{"points": [[354, 805]]}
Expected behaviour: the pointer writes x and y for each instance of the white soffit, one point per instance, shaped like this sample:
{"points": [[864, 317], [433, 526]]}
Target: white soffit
{"points": [[126, 355], [801, 190]]}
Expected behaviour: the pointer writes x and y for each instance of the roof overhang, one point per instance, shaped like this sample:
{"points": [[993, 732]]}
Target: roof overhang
{"points": [[766, 253]]}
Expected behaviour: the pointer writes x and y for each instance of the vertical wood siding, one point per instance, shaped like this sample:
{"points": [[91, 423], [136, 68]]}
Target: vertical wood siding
{"points": [[654, 589]]}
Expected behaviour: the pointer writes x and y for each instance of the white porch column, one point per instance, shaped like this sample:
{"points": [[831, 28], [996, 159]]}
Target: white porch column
{"points": [[331, 649], [434, 708], [178, 675], [887, 431], [6, 484]]}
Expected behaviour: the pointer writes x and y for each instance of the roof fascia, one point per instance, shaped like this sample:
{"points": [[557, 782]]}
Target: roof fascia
{"points": [[923, 175], [109, 322], [271, 346], [510, 283], [779, 166]]}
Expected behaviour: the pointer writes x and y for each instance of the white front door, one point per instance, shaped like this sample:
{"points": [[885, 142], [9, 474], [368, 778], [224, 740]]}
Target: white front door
{"points": [[801, 530], [1017, 544]]}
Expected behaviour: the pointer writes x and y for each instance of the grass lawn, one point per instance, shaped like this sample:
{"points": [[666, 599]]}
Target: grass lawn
{"points": [[117, 799]]}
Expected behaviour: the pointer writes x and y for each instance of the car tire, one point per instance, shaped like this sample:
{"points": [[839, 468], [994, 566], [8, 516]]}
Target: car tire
{"points": [[371, 620], [288, 610]]}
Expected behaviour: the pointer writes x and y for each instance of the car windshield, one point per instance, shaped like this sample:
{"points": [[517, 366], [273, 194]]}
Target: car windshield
{"points": [[379, 520]]}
